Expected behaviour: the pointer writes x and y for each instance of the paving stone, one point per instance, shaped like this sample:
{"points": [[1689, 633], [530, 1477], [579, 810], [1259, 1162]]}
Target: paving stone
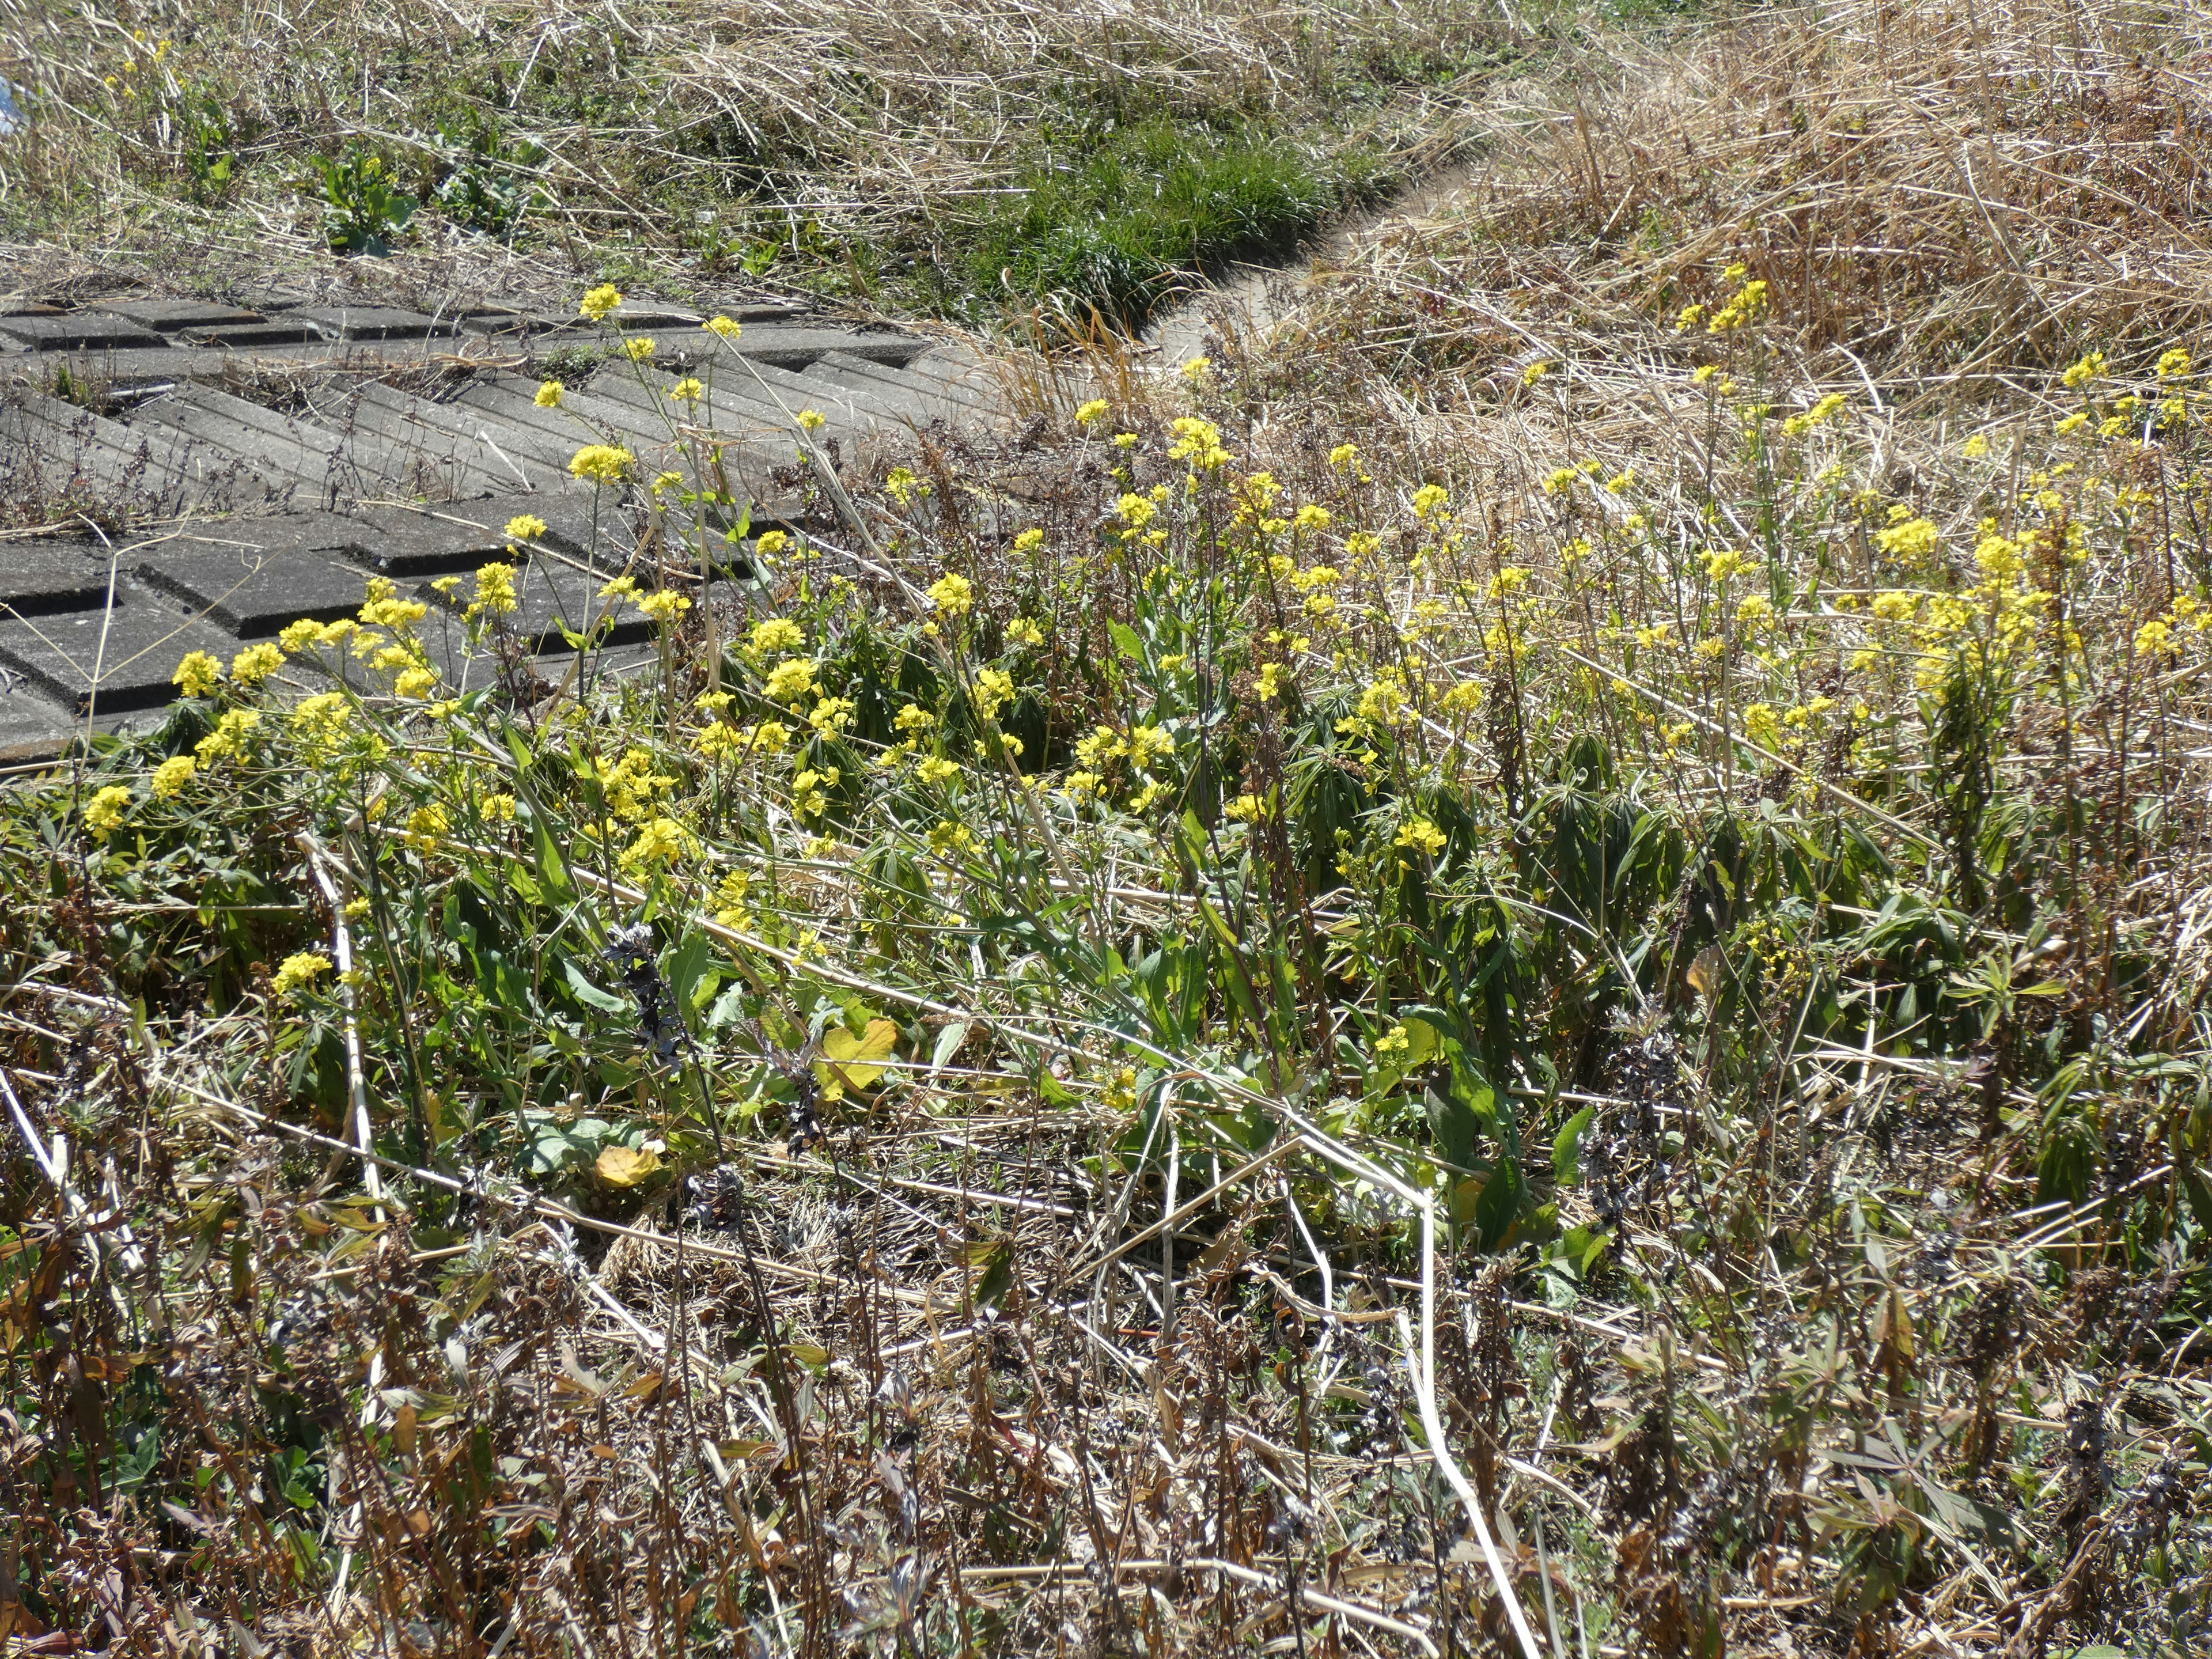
{"points": [[421, 459], [404, 542], [259, 332], [369, 322], [169, 316], [958, 380], [37, 578], [534, 456], [81, 331], [297, 456], [789, 346], [90, 452], [254, 591], [33, 727], [145, 641]]}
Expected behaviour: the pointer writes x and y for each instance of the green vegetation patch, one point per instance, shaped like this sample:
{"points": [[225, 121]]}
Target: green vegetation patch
{"points": [[1113, 230]]}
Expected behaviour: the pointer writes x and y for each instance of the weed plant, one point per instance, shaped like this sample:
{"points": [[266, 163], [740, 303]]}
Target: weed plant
{"points": [[1600, 1057]]}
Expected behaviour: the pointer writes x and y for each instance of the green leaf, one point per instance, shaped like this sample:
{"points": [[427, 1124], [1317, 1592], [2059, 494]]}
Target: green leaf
{"points": [[1125, 641], [590, 994], [948, 1044], [1499, 1207], [1567, 1148]]}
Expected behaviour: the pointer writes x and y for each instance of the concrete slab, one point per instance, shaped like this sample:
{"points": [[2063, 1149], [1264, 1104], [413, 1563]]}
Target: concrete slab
{"points": [[169, 316], [63, 656], [369, 322], [32, 727], [81, 331], [253, 592], [259, 331], [38, 578]]}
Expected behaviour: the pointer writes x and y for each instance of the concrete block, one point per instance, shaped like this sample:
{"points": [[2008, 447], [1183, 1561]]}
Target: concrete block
{"points": [[64, 656], [81, 331], [38, 578], [32, 727], [170, 316], [250, 591]]}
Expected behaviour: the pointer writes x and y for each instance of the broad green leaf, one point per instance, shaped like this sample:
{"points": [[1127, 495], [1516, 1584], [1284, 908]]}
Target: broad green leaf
{"points": [[590, 994], [1567, 1149]]}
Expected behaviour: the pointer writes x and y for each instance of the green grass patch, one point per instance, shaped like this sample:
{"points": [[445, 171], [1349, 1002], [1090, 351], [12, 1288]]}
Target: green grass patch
{"points": [[1111, 227]]}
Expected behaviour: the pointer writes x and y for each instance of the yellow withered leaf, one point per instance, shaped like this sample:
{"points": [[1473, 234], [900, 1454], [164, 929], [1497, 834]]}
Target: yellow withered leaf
{"points": [[624, 1166], [851, 1058]]}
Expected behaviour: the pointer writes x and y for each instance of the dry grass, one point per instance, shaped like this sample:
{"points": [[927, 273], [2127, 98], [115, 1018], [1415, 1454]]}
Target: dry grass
{"points": [[1863, 1312]]}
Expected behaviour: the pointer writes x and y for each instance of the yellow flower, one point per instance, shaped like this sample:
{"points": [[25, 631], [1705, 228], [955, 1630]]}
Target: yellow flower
{"points": [[1723, 563], [1029, 541], [599, 464], [1560, 479], [1430, 500], [1975, 447], [2155, 638], [1535, 372], [1200, 442], [104, 810], [301, 968], [791, 681], [640, 347], [495, 592], [2073, 422], [1688, 319], [2089, 369], [689, 389], [197, 674], [425, 824], [525, 527], [172, 775], [415, 683], [1136, 511], [622, 587], [952, 593], [666, 481], [229, 737], [1093, 410], [2173, 362], [1345, 455], [778, 634], [1910, 538], [994, 688], [1311, 517], [1706, 373], [600, 302], [1125, 441], [1761, 726], [723, 327], [1267, 685], [1196, 369], [256, 663], [1246, 809], [1423, 835], [549, 394], [771, 543], [1022, 631], [659, 841], [1149, 743], [498, 809], [813, 420], [664, 605], [934, 769]]}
